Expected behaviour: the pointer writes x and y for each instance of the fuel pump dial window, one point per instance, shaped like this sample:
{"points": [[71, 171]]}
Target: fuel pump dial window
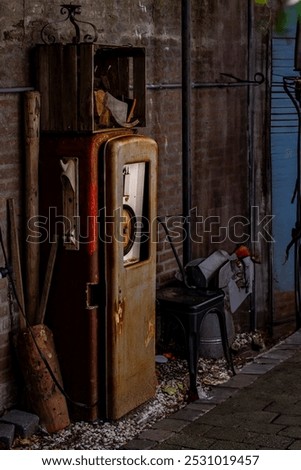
{"points": [[128, 228]]}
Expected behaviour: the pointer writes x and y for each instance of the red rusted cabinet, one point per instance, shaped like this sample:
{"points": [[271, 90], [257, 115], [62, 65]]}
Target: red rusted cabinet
{"points": [[98, 193]]}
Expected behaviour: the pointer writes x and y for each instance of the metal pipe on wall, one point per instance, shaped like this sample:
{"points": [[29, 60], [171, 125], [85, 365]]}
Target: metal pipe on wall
{"points": [[258, 80], [16, 89], [186, 126]]}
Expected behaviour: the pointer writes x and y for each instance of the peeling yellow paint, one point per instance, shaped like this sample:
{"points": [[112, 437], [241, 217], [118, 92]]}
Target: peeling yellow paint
{"points": [[119, 311], [150, 333]]}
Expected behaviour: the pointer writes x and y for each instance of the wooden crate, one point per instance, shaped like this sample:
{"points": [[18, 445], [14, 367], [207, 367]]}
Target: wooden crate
{"points": [[68, 75]]}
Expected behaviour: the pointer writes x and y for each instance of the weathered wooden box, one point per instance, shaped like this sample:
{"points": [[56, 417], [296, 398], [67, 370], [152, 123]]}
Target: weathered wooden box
{"points": [[69, 75]]}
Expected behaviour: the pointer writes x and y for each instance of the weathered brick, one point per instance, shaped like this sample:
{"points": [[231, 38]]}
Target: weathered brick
{"points": [[7, 433], [25, 423]]}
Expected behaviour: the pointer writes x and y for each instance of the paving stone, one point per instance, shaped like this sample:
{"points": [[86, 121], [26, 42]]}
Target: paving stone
{"points": [[187, 414], [227, 418], [25, 423], [189, 440], [170, 424], [286, 346], [241, 402], [219, 394], [215, 419], [234, 411], [296, 445], [268, 441], [290, 409], [138, 444], [264, 428], [157, 435], [266, 360], [167, 446], [258, 369], [7, 434], [296, 359], [257, 417], [241, 380], [200, 406], [288, 420], [228, 445], [226, 433], [280, 354], [291, 431], [293, 339]]}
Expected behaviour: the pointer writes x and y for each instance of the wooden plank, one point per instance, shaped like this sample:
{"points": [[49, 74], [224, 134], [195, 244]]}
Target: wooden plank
{"points": [[42, 71], [32, 137], [69, 88], [139, 86], [47, 282], [16, 261], [86, 87], [55, 87], [121, 87]]}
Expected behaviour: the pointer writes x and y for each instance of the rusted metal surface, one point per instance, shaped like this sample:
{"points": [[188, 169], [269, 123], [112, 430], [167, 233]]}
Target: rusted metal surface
{"points": [[101, 312], [130, 306], [73, 322]]}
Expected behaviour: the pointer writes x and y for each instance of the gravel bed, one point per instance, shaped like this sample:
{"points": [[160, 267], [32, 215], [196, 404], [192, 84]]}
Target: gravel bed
{"points": [[171, 395]]}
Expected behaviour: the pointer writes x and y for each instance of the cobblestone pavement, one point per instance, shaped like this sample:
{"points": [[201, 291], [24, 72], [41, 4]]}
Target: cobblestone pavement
{"points": [[259, 408]]}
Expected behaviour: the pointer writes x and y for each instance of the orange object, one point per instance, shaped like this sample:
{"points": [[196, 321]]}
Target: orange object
{"points": [[169, 356], [242, 251]]}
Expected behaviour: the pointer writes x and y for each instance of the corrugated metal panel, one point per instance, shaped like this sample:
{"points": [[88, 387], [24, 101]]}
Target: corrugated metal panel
{"points": [[284, 128]]}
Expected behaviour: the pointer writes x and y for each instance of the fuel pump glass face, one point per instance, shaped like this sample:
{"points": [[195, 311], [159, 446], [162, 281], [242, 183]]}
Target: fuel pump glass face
{"points": [[132, 211]]}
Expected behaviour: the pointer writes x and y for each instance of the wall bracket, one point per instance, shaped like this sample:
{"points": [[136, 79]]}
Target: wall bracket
{"points": [[70, 11]]}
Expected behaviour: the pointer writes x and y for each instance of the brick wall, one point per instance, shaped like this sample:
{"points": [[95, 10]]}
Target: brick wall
{"points": [[219, 116], [8, 326], [11, 170]]}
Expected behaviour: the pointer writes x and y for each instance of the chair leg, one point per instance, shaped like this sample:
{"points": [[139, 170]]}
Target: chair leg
{"points": [[225, 342], [192, 358], [192, 340]]}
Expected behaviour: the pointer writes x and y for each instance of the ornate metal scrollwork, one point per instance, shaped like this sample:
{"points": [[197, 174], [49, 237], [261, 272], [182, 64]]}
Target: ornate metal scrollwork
{"points": [[70, 11]]}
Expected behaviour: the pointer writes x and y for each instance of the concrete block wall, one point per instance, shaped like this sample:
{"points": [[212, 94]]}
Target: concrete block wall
{"points": [[219, 116]]}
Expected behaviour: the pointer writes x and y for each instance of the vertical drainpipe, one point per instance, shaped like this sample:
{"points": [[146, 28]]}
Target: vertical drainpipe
{"points": [[186, 126], [252, 176]]}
